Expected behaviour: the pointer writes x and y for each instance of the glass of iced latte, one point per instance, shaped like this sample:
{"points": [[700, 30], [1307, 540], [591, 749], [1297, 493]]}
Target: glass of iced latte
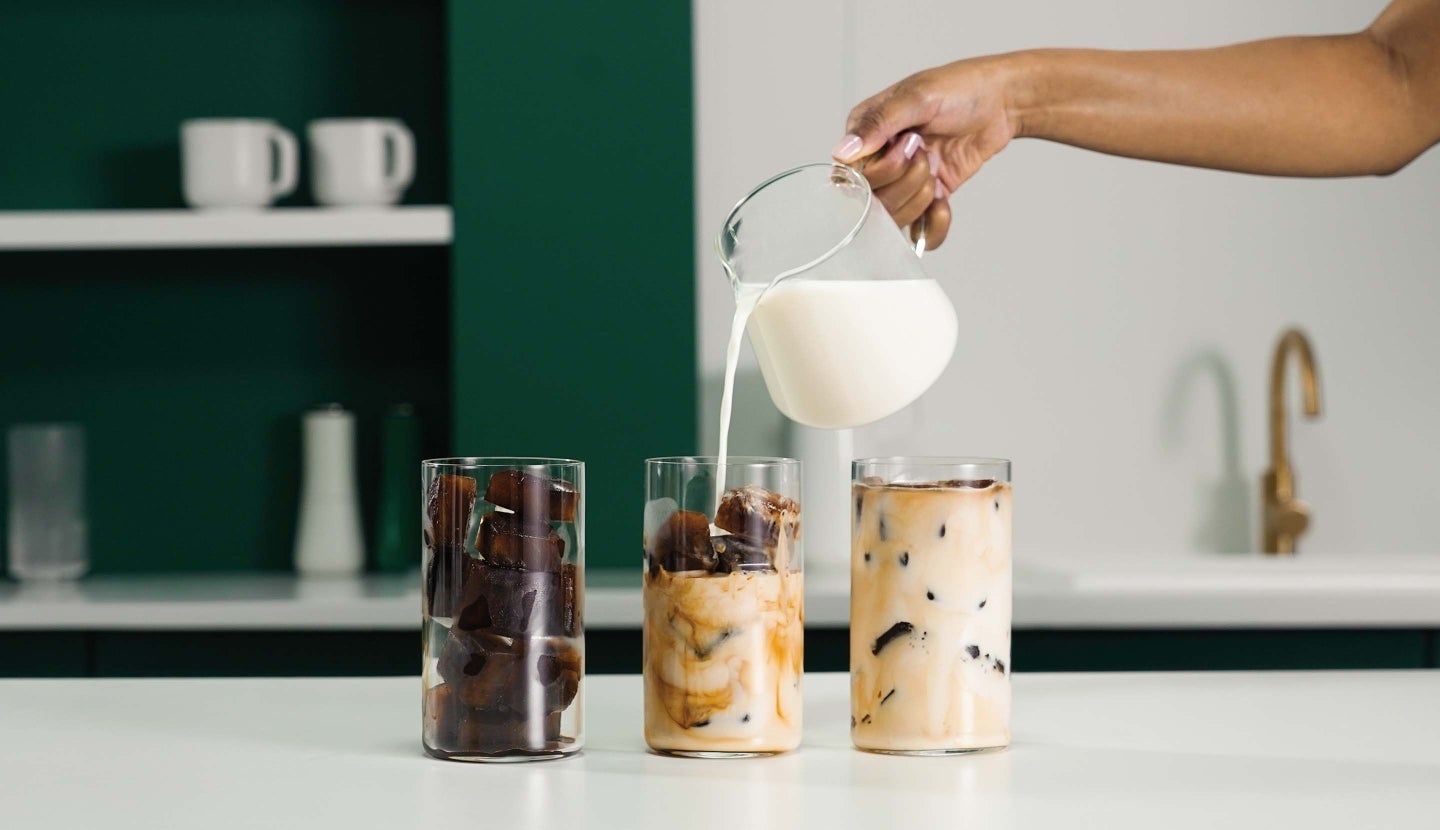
{"points": [[930, 605], [724, 618]]}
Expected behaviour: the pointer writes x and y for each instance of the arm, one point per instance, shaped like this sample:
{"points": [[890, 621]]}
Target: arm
{"points": [[1365, 103]]}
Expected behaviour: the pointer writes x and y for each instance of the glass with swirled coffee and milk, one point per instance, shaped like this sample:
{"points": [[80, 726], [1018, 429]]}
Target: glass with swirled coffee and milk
{"points": [[930, 605], [724, 606]]}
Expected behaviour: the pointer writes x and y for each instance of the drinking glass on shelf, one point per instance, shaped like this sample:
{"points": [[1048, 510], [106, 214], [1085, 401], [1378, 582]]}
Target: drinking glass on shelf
{"points": [[48, 534], [724, 606], [930, 605], [502, 598]]}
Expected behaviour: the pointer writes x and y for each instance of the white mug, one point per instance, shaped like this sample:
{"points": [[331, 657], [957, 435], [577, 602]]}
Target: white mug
{"points": [[229, 163], [360, 162]]}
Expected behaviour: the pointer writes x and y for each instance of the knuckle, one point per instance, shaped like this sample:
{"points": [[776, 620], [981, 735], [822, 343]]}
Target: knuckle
{"points": [[869, 120]]}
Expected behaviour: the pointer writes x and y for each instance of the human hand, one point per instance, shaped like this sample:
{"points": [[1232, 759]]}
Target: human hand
{"points": [[923, 137]]}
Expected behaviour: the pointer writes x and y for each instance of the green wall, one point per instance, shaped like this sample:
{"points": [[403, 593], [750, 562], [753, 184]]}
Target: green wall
{"points": [[190, 368], [573, 291], [93, 91]]}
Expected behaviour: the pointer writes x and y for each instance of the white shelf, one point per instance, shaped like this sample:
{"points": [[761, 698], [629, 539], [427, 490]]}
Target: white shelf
{"points": [[54, 230]]}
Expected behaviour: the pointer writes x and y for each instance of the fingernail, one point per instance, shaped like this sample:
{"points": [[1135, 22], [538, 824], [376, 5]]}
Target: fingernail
{"points": [[848, 147], [939, 191], [910, 144], [934, 162]]}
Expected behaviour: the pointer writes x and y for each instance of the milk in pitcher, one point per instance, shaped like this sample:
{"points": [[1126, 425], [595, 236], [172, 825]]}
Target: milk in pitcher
{"points": [[843, 353]]}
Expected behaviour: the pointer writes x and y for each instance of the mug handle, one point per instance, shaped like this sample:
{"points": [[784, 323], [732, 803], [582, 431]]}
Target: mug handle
{"points": [[287, 161], [402, 143]]}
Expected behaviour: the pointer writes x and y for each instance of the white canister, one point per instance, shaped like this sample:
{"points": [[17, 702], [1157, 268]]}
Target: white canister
{"points": [[825, 456], [328, 537]]}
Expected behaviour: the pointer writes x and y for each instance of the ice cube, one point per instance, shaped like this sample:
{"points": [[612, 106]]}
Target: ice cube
{"points": [[683, 543], [510, 541], [454, 727], [537, 498], [484, 669], [445, 577], [517, 675], [571, 600], [557, 668], [513, 602], [759, 514], [657, 512], [448, 506], [971, 484], [739, 553]]}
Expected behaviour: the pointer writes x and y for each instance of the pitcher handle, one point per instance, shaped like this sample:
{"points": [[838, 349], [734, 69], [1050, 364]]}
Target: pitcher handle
{"points": [[918, 236]]}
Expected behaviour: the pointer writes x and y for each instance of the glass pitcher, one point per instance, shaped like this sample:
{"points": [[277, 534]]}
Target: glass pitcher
{"points": [[846, 326]]}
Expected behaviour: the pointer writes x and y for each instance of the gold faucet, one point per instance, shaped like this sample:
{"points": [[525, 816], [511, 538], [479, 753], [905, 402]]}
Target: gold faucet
{"points": [[1286, 517]]}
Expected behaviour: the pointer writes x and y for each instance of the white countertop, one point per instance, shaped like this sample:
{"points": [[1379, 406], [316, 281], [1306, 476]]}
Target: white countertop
{"points": [[1265, 750], [1051, 591]]}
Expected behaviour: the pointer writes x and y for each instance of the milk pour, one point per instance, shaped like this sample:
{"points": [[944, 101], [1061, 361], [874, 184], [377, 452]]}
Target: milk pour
{"points": [[745, 301]]}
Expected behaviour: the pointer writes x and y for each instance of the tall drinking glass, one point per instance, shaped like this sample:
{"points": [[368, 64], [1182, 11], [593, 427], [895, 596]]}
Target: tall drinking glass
{"points": [[48, 531], [724, 606], [504, 572], [930, 605]]}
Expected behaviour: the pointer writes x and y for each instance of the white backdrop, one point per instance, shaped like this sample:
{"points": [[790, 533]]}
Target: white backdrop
{"points": [[1117, 316]]}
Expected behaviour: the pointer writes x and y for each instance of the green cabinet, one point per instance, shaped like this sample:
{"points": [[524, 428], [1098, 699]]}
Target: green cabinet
{"points": [[44, 654], [618, 651], [573, 297], [189, 369]]}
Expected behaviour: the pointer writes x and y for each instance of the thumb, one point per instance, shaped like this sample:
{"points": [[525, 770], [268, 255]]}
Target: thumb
{"points": [[878, 119]]}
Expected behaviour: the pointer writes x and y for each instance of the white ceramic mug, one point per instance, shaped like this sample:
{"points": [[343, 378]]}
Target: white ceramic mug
{"points": [[230, 163], [360, 162]]}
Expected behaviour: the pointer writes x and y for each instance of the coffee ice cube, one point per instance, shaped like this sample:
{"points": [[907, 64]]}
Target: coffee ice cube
{"points": [[512, 602], [453, 727], [448, 506], [759, 514], [511, 541], [557, 668], [485, 670], [537, 498], [736, 553], [683, 543], [657, 513], [969, 483], [510, 674], [571, 600], [445, 575]]}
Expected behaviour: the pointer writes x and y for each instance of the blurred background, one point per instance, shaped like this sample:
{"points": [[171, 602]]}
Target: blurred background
{"points": [[547, 286]]}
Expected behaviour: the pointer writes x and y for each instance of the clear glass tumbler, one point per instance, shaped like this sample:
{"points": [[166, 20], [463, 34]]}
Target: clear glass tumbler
{"points": [[502, 597], [930, 605], [724, 638], [47, 523]]}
